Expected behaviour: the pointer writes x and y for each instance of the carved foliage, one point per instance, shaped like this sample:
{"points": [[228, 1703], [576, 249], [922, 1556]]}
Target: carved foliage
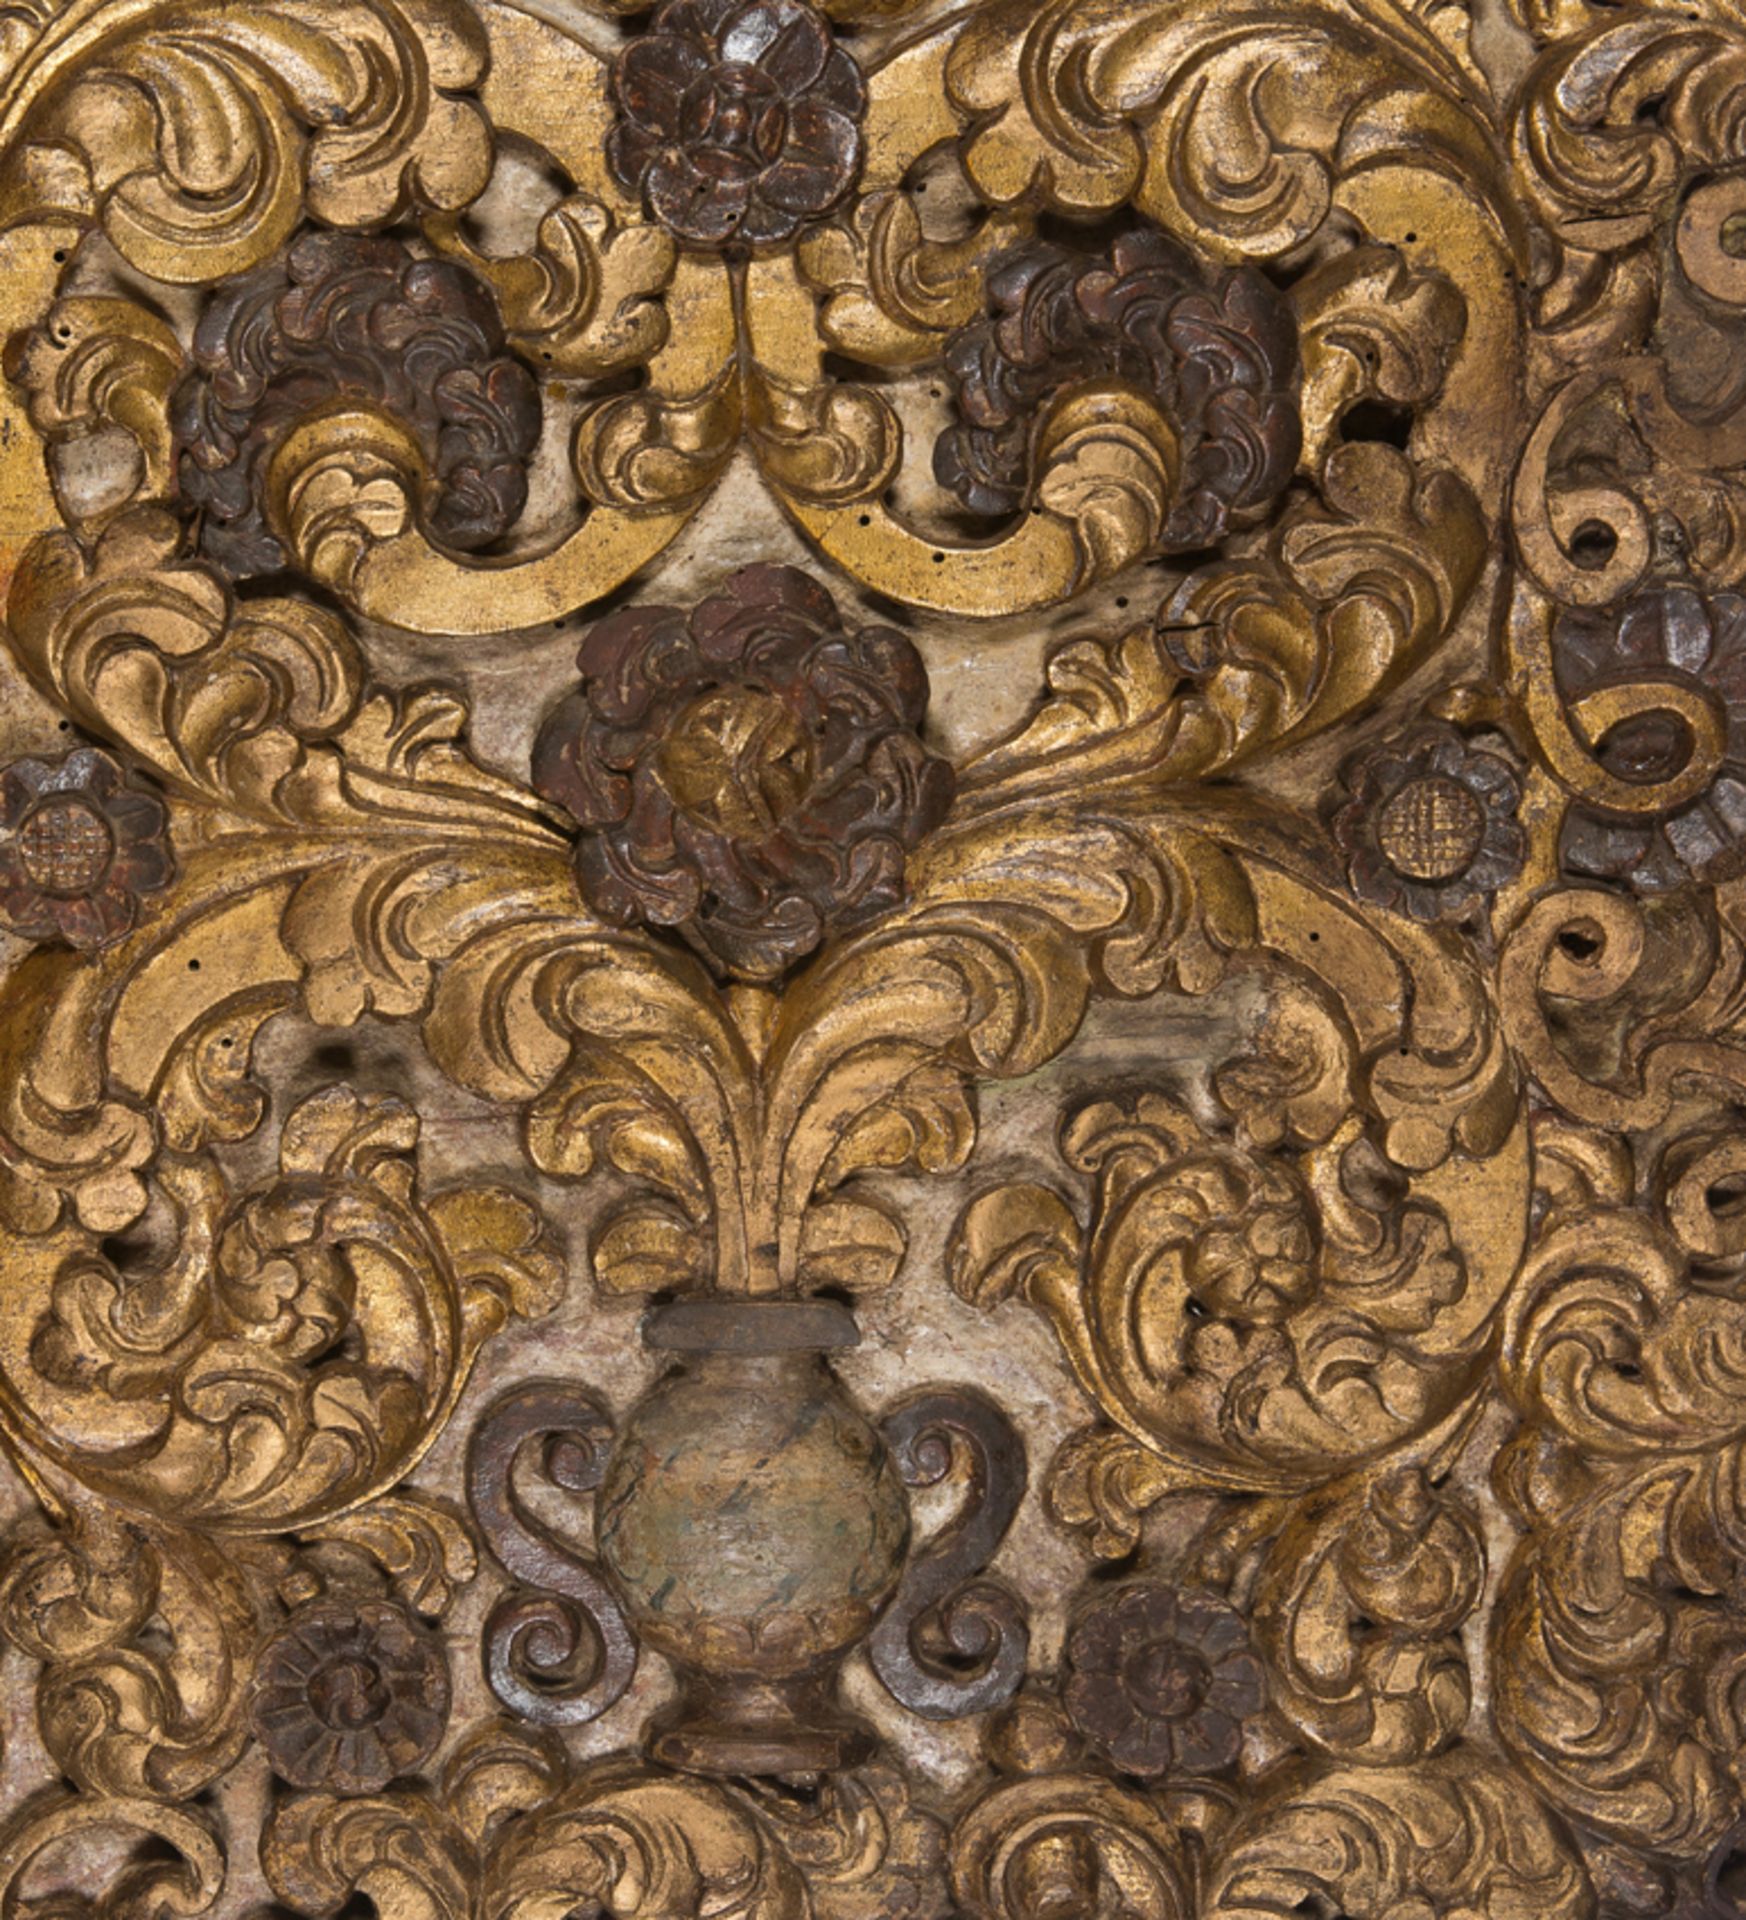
{"points": [[351, 322], [1220, 1310], [1218, 359]]}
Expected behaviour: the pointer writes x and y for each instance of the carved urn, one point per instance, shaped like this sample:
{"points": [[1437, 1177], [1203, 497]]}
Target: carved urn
{"points": [[755, 1526], [752, 1525]]}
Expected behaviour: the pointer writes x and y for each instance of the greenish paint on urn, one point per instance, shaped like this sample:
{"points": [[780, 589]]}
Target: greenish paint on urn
{"points": [[752, 1518], [752, 1521]]}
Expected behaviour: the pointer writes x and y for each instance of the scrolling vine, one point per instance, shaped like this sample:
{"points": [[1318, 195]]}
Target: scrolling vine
{"points": [[1365, 426]]}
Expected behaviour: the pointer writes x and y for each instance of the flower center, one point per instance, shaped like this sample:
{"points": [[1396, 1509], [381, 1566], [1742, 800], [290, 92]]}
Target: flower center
{"points": [[1166, 1680], [65, 847], [737, 761], [348, 1694], [1431, 830], [1647, 748], [733, 121]]}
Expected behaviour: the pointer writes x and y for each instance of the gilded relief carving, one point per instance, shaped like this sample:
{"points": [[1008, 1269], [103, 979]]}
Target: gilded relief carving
{"points": [[874, 972]]}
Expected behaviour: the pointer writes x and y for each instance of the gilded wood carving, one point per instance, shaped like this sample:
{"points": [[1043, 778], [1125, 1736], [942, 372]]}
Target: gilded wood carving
{"points": [[874, 1023]]}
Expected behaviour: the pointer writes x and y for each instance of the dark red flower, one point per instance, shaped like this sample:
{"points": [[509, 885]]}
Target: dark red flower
{"points": [[749, 773], [1161, 1680], [1431, 825], [353, 316], [737, 118], [348, 1698], [79, 847], [1217, 350]]}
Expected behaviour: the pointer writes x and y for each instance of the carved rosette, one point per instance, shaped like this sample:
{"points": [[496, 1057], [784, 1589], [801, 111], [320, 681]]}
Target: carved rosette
{"points": [[750, 773], [1430, 827], [1162, 1682], [737, 119], [83, 849], [350, 1698], [1003, 748]]}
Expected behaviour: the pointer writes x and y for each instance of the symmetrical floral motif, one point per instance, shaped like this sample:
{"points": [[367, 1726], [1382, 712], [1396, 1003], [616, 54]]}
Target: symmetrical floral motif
{"points": [[1163, 1681], [750, 773], [738, 119], [82, 847], [1253, 1252], [1266, 391], [1430, 827]]}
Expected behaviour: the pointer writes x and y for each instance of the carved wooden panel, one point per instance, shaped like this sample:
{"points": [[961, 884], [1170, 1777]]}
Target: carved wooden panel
{"points": [[874, 1005]]}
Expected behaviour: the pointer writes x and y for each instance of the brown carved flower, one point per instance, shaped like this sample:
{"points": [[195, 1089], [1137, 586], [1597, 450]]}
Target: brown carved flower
{"points": [[1673, 636], [1161, 1679], [79, 847], [348, 316], [1219, 353], [349, 1697], [749, 773], [1431, 824], [738, 119]]}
